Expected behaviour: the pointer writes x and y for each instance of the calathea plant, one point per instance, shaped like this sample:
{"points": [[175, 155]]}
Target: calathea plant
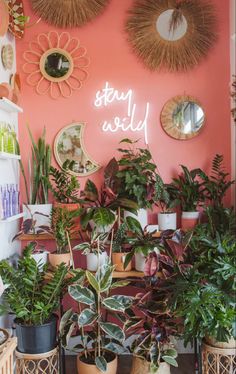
{"points": [[94, 303]]}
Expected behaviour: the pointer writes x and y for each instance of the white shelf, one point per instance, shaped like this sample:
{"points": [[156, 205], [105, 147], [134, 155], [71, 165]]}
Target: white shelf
{"points": [[12, 218], [9, 106], [7, 156]]}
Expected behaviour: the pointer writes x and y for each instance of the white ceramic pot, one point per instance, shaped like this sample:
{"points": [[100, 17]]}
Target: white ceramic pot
{"points": [[189, 220], [92, 260], [45, 209], [141, 216], [167, 221], [139, 261], [41, 259]]}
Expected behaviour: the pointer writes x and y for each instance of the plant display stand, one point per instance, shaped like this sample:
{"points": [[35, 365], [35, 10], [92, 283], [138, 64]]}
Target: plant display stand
{"points": [[218, 360], [7, 357], [43, 363]]}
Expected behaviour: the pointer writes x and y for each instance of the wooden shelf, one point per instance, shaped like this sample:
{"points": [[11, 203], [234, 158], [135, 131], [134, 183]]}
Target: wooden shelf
{"points": [[32, 237], [9, 106], [115, 274], [12, 218], [9, 156]]}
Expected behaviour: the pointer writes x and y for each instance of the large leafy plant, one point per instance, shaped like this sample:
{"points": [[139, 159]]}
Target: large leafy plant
{"points": [[94, 304], [37, 185], [27, 294], [65, 187], [92, 242], [137, 174]]}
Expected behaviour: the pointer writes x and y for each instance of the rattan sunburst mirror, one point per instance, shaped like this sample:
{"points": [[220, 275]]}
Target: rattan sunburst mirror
{"points": [[172, 35]]}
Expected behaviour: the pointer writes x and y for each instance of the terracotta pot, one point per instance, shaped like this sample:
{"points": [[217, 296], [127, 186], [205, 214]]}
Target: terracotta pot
{"points": [[140, 366], [71, 207], [231, 343], [84, 368], [6, 90], [189, 220], [118, 260], [56, 259]]}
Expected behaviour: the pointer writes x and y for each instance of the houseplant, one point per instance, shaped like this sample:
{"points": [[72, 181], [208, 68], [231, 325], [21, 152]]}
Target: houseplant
{"points": [[186, 191], [167, 218], [37, 183], [121, 248], [101, 341], [93, 245], [136, 176], [33, 300]]}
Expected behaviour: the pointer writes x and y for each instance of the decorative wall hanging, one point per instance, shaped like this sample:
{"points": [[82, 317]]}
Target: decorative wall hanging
{"points": [[56, 64], [64, 13], [68, 145], [4, 17], [182, 117], [17, 18], [173, 35], [7, 55]]}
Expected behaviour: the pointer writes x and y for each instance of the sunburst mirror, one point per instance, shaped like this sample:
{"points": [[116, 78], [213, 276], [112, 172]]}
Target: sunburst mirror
{"points": [[172, 35], [69, 145], [56, 64]]}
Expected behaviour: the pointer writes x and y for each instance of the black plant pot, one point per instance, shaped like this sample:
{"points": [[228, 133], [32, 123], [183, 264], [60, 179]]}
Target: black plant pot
{"points": [[36, 338]]}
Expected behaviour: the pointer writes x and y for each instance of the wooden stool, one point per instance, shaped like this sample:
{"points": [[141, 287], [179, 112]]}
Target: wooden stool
{"points": [[218, 360], [7, 357], [42, 363]]}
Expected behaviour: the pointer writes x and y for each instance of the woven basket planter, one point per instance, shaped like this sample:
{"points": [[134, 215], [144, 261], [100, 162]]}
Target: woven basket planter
{"points": [[218, 360]]}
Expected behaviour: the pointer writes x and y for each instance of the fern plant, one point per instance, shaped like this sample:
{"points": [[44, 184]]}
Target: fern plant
{"points": [[28, 295], [65, 187]]}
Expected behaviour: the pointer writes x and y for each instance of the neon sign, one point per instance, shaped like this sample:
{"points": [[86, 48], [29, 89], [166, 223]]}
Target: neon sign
{"points": [[109, 95]]}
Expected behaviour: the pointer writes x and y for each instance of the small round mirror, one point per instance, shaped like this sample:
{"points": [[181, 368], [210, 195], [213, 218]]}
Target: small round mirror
{"points": [[182, 117], [163, 26], [56, 65]]}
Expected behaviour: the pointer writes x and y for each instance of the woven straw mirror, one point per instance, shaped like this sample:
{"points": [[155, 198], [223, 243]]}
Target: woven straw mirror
{"points": [[68, 13], [172, 35]]}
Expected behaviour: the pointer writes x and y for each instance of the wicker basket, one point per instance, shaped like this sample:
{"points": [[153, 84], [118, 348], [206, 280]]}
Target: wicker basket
{"points": [[218, 360], [42, 363], [6, 333], [7, 357]]}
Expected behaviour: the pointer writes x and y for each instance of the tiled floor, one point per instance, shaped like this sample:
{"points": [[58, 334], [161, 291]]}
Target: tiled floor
{"points": [[186, 365]]}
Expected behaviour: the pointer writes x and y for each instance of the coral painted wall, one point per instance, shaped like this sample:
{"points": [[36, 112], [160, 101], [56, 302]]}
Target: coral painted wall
{"points": [[112, 60]]}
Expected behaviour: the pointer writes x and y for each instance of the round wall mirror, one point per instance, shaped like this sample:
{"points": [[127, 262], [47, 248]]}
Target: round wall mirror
{"points": [[163, 26], [182, 117], [56, 65]]}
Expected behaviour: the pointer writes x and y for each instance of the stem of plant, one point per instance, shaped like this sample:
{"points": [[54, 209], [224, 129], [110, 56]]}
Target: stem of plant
{"points": [[70, 249]]}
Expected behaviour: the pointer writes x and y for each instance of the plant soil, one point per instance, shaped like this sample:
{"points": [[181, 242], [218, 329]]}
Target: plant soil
{"points": [[90, 360]]}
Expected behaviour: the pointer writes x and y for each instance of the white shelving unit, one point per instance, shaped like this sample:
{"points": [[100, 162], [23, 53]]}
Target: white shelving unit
{"points": [[9, 156], [9, 106], [12, 218]]}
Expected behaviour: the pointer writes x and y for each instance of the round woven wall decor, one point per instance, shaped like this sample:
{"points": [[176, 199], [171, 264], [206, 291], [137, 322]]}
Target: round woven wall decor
{"points": [[147, 17], [68, 13]]}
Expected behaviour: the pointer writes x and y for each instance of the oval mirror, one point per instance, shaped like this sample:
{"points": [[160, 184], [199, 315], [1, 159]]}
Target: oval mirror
{"points": [[182, 117]]}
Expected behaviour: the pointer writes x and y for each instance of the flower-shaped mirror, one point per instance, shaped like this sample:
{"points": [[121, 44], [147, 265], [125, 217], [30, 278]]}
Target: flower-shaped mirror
{"points": [[68, 145], [182, 117], [172, 35], [56, 64]]}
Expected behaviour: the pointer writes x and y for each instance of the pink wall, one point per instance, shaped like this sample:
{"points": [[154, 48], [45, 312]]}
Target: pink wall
{"points": [[113, 61]]}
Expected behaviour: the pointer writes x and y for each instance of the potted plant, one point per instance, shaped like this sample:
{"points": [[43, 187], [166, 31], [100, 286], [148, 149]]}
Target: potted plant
{"points": [[142, 243], [33, 300], [136, 176], [37, 184], [121, 249], [167, 218], [186, 191], [101, 341], [93, 246]]}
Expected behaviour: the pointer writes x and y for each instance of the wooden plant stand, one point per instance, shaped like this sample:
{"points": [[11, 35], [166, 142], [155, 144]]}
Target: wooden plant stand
{"points": [[42, 363], [7, 357], [218, 360]]}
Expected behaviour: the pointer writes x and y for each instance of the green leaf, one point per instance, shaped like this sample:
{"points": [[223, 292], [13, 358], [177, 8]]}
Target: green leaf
{"points": [[170, 360], [116, 348], [101, 363], [93, 281], [121, 283], [103, 217], [113, 330], [112, 304], [104, 275], [128, 258], [171, 352], [134, 225], [81, 294], [87, 317]]}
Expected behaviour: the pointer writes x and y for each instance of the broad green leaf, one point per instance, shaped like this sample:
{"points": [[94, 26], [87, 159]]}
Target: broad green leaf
{"points": [[101, 363], [87, 317], [116, 348], [121, 283], [81, 294], [170, 360], [104, 274], [134, 225], [171, 352], [126, 301], [113, 330], [128, 258], [113, 304], [103, 217], [93, 281]]}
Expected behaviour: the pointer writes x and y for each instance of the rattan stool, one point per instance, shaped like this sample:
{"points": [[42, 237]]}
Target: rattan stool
{"points": [[7, 357], [218, 360], [42, 363]]}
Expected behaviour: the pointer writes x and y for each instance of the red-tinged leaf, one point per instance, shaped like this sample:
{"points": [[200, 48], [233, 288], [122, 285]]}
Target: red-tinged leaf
{"points": [[166, 274], [166, 260], [151, 265], [177, 249]]}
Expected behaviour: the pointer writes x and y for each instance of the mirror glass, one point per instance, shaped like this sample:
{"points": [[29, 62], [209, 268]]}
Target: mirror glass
{"points": [[188, 117], [56, 65], [163, 26]]}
